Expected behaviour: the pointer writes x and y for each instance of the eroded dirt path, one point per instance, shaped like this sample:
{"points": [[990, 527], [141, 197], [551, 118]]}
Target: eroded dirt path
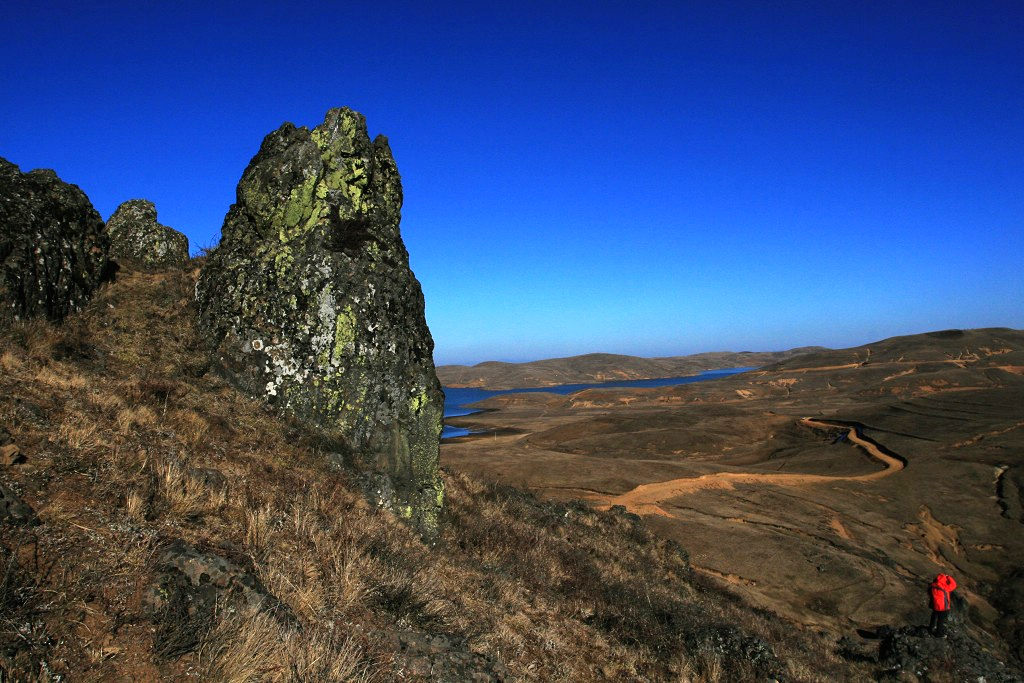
{"points": [[645, 499]]}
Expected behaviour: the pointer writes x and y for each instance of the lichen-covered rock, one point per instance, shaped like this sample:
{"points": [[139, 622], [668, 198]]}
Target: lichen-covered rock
{"points": [[310, 303], [138, 239], [53, 245]]}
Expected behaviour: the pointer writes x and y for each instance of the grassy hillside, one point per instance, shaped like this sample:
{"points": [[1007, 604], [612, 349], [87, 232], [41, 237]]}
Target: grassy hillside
{"points": [[126, 449]]}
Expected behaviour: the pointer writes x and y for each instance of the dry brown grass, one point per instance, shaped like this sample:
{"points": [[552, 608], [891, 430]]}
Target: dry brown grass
{"points": [[57, 377], [185, 493], [703, 667], [9, 362], [251, 647], [188, 425], [133, 443], [78, 435], [135, 417], [259, 527], [135, 506], [107, 404]]}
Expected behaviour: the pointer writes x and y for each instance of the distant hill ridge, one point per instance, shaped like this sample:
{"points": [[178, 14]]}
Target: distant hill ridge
{"points": [[958, 347], [604, 367]]}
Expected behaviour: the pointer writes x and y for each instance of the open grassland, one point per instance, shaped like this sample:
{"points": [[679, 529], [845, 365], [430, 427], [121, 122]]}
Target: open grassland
{"points": [[829, 488]]}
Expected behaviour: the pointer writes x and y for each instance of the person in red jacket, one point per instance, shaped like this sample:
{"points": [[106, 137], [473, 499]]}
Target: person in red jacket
{"points": [[941, 603]]}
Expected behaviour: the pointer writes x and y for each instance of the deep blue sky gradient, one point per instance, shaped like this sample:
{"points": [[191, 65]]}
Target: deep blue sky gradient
{"points": [[644, 178]]}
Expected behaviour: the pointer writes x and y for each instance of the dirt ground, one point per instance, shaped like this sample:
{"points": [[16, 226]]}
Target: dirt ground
{"points": [[910, 464]]}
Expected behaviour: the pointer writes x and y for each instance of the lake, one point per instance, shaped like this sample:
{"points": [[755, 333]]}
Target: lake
{"points": [[456, 400]]}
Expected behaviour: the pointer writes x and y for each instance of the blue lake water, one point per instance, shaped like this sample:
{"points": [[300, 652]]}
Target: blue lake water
{"points": [[456, 400]]}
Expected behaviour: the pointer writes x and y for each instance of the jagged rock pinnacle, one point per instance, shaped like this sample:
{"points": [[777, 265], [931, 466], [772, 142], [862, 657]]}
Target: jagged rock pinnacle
{"points": [[310, 303]]}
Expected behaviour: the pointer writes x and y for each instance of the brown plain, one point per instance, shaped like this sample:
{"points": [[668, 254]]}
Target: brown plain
{"points": [[829, 488]]}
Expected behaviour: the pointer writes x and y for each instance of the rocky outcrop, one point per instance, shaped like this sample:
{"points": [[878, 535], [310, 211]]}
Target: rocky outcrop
{"points": [[136, 237], [53, 245], [310, 304], [911, 653]]}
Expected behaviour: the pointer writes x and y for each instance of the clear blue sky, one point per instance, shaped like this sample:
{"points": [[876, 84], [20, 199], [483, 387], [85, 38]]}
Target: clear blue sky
{"points": [[644, 178]]}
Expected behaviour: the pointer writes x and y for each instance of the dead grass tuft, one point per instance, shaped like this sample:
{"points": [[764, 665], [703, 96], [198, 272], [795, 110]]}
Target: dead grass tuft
{"points": [[252, 646], [188, 425], [36, 337], [133, 417], [56, 377], [78, 435], [10, 362], [135, 506], [259, 526], [186, 494], [107, 403]]}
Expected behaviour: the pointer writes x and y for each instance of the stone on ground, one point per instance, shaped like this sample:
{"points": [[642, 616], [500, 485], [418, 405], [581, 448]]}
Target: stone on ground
{"points": [[192, 587], [13, 510]]}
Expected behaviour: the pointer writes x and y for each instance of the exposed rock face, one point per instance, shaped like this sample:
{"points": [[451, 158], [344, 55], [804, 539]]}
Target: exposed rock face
{"points": [[53, 246], [310, 303], [137, 238]]}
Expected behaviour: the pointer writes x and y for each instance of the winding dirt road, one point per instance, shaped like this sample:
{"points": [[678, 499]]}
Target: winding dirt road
{"points": [[644, 499]]}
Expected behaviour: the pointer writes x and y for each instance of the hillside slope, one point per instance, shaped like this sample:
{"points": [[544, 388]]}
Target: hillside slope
{"points": [[770, 480], [130, 472], [603, 367]]}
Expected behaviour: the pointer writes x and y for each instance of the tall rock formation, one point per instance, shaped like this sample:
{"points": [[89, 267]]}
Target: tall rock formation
{"points": [[137, 238], [310, 303], [53, 245]]}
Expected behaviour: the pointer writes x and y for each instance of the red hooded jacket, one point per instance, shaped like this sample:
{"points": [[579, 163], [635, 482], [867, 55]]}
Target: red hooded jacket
{"points": [[939, 592]]}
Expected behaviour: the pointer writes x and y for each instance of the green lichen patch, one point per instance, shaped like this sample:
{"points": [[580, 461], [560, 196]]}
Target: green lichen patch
{"points": [[344, 332]]}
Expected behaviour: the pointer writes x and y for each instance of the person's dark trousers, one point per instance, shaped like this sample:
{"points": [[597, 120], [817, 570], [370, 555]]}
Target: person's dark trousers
{"points": [[937, 626]]}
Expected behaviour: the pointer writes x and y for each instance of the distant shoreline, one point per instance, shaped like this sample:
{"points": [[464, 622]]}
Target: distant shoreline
{"points": [[457, 399], [601, 368]]}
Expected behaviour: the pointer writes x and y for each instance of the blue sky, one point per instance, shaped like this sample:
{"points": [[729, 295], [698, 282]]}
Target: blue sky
{"points": [[644, 178]]}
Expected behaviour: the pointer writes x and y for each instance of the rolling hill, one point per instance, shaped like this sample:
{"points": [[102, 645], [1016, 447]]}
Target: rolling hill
{"points": [[603, 367]]}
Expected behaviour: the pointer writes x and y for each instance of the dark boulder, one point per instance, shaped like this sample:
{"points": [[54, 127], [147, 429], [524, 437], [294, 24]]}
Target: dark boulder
{"points": [[136, 238], [13, 510], [311, 305], [53, 246]]}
